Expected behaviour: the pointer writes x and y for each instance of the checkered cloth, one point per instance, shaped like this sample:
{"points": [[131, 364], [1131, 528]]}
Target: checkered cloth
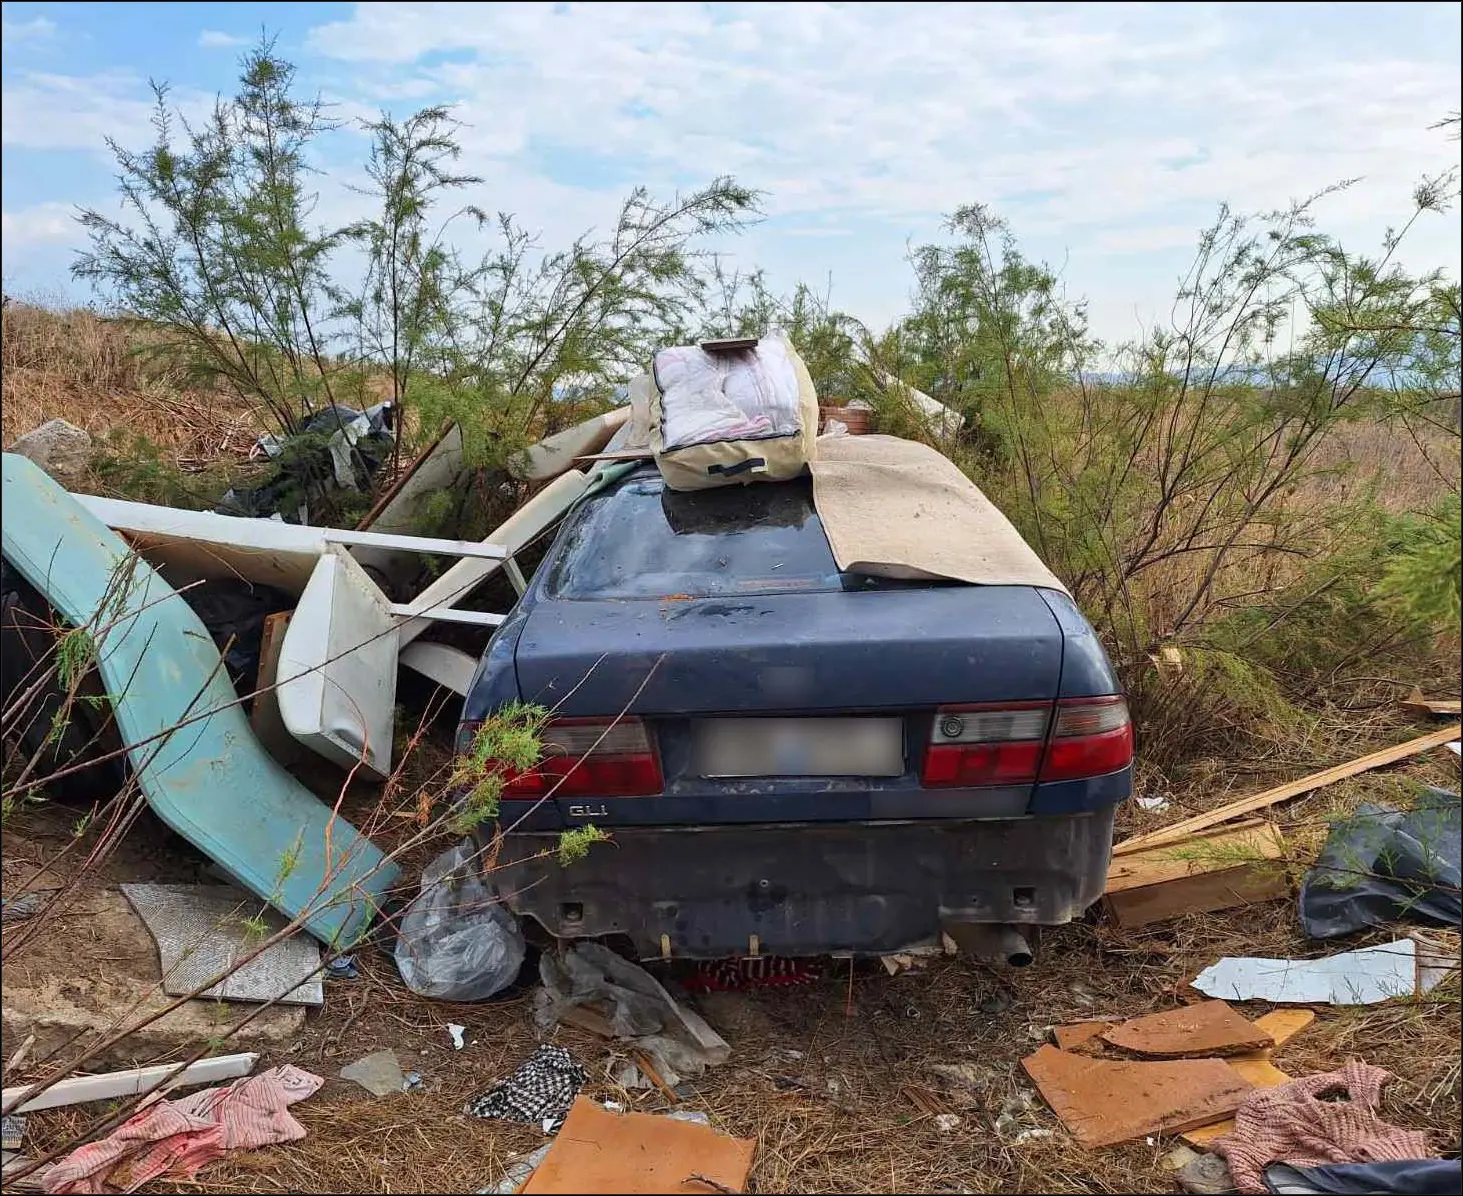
{"points": [[541, 1090]]}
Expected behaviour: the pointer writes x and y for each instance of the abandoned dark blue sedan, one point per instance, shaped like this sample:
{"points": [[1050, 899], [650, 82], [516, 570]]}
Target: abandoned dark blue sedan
{"points": [[790, 759]]}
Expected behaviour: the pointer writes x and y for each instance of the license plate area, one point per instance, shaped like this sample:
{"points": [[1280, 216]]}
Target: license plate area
{"points": [[798, 747]]}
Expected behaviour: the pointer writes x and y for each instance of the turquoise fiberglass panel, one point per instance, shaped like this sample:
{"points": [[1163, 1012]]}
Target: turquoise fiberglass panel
{"points": [[209, 779]]}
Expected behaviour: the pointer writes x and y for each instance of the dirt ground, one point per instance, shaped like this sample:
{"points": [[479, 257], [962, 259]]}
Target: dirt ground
{"points": [[838, 1081]]}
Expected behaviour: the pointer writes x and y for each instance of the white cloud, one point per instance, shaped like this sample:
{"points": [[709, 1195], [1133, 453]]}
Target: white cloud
{"points": [[213, 39], [1100, 129], [37, 28], [79, 112], [41, 224]]}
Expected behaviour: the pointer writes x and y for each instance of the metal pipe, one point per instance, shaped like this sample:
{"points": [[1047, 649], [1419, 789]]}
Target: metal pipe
{"points": [[992, 942]]}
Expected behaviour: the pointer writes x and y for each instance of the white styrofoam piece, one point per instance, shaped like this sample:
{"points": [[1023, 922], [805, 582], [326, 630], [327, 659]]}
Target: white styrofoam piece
{"points": [[449, 667], [131, 1082], [1361, 977], [337, 666], [554, 454], [523, 526]]}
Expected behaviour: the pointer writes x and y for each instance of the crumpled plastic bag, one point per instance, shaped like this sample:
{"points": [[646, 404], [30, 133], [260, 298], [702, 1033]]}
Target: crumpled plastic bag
{"points": [[356, 445], [636, 1005], [458, 941], [1383, 865]]}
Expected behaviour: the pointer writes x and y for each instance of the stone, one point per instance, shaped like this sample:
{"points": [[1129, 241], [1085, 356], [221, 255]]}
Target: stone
{"points": [[1102, 1102], [1207, 1175], [62, 449], [1208, 1028], [378, 1073]]}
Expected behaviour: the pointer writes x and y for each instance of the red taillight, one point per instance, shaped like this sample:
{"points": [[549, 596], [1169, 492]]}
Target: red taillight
{"points": [[591, 757], [985, 745], [1022, 742], [1091, 736]]}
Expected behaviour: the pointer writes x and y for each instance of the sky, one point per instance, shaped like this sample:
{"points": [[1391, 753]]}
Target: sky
{"points": [[1106, 134]]}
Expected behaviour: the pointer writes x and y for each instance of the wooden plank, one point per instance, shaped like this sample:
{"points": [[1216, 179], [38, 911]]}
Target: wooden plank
{"points": [[264, 717], [1210, 851], [1432, 707], [1317, 780], [1208, 891], [1284, 1024], [1217, 869], [1255, 1069], [135, 1080]]}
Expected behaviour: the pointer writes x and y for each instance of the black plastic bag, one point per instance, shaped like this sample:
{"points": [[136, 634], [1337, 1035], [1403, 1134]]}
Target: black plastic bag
{"points": [[234, 613], [1415, 1177], [1384, 865], [337, 448]]}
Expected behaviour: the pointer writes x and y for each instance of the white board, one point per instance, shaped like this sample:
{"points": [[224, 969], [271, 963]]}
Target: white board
{"points": [[554, 454], [522, 527], [337, 666]]}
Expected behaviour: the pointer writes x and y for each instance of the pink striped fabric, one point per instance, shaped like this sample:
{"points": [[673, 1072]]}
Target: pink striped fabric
{"points": [[177, 1137]]}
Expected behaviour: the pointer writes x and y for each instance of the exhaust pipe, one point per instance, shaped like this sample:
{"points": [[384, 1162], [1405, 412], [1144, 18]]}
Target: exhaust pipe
{"points": [[992, 943]]}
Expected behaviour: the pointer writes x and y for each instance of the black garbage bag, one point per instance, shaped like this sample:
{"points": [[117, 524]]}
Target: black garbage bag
{"points": [[234, 612], [336, 448], [1384, 865], [1414, 1177]]}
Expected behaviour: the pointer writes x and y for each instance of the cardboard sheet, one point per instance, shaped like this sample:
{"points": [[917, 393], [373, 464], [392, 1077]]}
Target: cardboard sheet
{"points": [[897, 508], [600, 1151]]}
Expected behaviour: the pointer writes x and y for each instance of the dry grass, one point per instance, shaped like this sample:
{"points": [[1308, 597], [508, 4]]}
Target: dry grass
{"points": [[818, 1075], [81, 367]]}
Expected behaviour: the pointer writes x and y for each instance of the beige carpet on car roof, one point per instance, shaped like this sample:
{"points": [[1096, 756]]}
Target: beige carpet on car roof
{"points": [[897, 508]]}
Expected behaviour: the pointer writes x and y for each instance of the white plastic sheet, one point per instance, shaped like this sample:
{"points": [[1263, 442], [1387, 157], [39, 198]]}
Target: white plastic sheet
{"points": [[1362, 977]]}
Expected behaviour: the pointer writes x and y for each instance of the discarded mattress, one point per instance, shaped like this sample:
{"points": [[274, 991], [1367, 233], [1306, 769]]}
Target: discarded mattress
{"points": [[897, 508], [210, 780]]}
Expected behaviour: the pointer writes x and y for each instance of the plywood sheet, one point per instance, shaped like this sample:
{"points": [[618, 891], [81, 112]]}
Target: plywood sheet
{"points": [[1191, 1031], [598, 1151], [1103, 1102]]}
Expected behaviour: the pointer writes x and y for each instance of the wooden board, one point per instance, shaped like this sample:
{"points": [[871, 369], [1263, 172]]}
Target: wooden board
{"points": [[1217, 869], [264, 716], [1190, 1031], [600, 1151], [1209, 851], [1259, 801], [1069, 1038], [1102, 1103], [1282, 1025], [1432, 707]]}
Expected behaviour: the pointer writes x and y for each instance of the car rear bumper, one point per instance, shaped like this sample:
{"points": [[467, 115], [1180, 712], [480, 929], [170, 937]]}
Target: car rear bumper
{"points": [[809, 888]]}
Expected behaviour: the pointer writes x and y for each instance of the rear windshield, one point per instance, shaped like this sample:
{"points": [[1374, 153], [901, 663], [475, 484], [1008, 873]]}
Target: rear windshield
{"points": [[646, 541]]}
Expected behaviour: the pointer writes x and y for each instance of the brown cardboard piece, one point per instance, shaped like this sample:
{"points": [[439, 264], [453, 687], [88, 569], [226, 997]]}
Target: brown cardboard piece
{"points": [[1069, 1038], [1103, 1102], [1191, 1031], [602, 1152], [1282, 1025]]}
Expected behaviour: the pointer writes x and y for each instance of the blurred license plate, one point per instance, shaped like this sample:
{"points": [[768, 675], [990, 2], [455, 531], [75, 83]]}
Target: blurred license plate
{"points": [[800, 747]]}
